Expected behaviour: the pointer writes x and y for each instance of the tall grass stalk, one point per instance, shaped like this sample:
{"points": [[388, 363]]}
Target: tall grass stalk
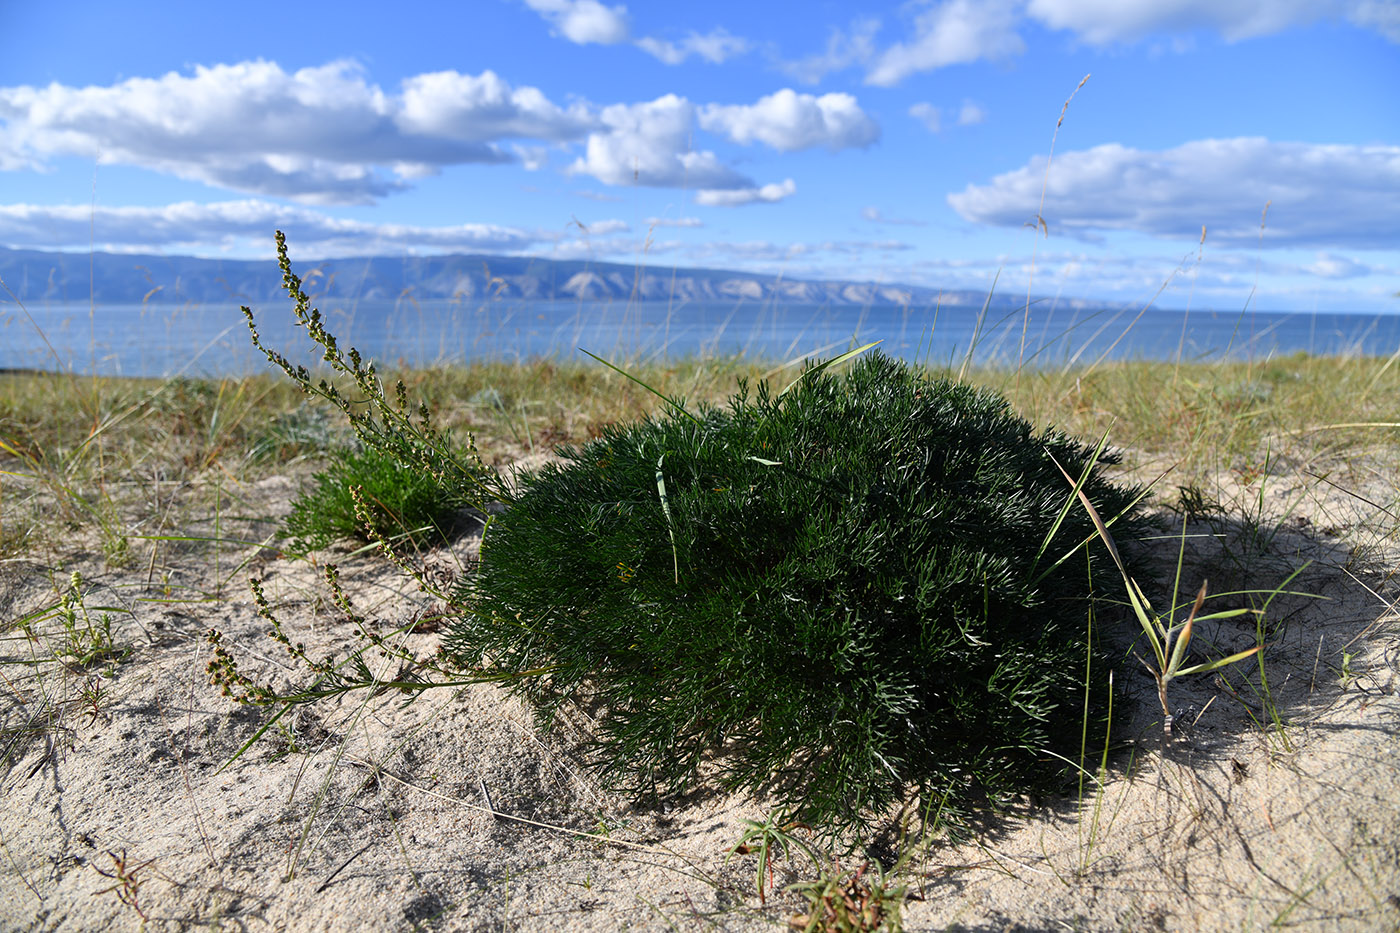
{"points": [[1039, 223]]}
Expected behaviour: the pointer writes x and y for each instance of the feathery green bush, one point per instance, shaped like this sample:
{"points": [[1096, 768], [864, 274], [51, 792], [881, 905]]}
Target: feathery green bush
{"points": [[865, 586], [838, 594]]}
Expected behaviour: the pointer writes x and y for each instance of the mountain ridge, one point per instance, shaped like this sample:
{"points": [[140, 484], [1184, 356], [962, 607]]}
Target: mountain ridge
{"points": [[130, 278]]}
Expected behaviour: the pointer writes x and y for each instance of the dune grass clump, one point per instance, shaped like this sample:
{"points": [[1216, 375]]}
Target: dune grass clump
{"points": [[865, 583], [396, 503]]}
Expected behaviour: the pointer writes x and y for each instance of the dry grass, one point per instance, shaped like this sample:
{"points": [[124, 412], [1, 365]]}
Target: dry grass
{"points": [[121, 461], [126, 456]]}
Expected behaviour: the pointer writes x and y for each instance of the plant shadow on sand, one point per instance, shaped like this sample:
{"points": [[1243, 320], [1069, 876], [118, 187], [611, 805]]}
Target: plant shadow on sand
{"points": [[1271, 799]]}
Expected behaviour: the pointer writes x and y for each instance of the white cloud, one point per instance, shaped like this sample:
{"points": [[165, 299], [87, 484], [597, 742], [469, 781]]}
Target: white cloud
{"points": [[1331, 266], [584, 21], [789, 121], [854, 46], [674, 222], [483, 108], [649, 144], [1223, 280], [863, 261], [531, 158], [971, 114], [953, 32], [223, 225], [1101, 22], [1383, 16], [928, 115], [737, 197], [714, 47], [1321, 195], [582, 247], [319, 135], [766, 251], [602, 227]]}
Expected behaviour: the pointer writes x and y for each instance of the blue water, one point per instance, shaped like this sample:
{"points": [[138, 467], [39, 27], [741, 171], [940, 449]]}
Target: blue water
{"points": [[208, 340]]}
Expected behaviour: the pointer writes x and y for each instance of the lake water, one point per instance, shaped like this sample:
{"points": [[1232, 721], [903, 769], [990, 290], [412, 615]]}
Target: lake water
{"points": [[207, 340]]}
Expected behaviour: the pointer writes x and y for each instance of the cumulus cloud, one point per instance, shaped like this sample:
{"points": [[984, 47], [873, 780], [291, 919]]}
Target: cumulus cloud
{"points": [[227, 224], [483, 108], [584, 21], [927, 114], [1319, 195], [952, 32], [319, 135], [1223, 280], [327, 135], [714, 47], [737, 197], [649, 144], [844, 48], [788, 121], [1101, 22]]}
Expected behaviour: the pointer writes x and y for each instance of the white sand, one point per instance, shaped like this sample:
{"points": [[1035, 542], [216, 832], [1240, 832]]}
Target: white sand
{"points": [[1233, 825]]}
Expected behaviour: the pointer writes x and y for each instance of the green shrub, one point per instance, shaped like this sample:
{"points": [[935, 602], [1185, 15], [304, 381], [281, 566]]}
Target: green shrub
{"points": [[401, 502], [864, 587], [834, 595]]}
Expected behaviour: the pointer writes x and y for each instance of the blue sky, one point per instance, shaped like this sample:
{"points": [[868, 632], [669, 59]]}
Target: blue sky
{"points": [[898, 143]]}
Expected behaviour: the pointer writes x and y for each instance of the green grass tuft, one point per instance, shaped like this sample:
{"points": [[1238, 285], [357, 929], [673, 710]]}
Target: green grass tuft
{"points": [[401, 503]]}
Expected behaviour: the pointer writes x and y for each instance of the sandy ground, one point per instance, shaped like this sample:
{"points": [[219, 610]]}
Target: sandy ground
{"points": [[454, 812]]}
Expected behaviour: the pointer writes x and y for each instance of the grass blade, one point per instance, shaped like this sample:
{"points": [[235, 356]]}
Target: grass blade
{"points": [[1213, 665], [659, 394], [666, 508], [824, 364], [1069, 501], [977, 330], [1184, 638]]}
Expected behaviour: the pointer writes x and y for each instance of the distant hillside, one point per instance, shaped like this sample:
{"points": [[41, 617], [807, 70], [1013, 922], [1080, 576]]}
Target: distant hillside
{"points": [[108, 278]]}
